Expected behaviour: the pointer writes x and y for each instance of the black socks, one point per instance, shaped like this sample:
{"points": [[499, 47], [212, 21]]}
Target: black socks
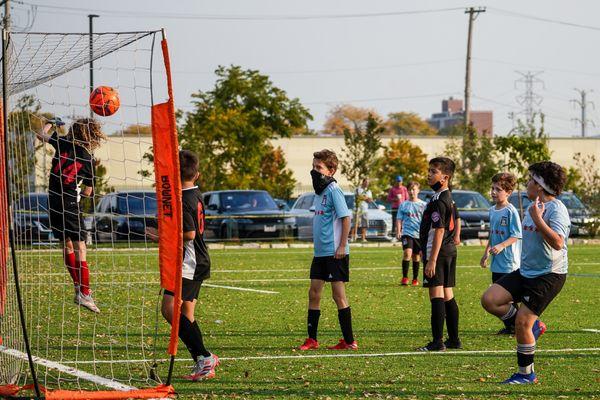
{"points": [[190, 335], [438, 312], [452, 319], [199, 340], [345, 318], [405, 265], [415, 270], [313, 323]]}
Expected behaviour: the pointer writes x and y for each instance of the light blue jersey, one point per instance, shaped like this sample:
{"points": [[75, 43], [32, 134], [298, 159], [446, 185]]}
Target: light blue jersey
{"points": [[538, 257], [504, 224], [330, 207], [411, 213]]}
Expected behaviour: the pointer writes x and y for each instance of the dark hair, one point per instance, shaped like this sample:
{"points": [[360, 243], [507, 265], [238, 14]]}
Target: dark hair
{"points": [[413, 184], [506, 180], [88, 132], [554, 175], [444, 164], [327, 157], [188, 165]]}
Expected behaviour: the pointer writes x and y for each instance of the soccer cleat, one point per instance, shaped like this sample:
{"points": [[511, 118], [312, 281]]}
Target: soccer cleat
{"points": [[204, 369], [415, 282], [506, 331], [433, 346], [538, 329], [86, 301], [521, 379], [309, 344], [342, 345], [404, 281], [453, 344]]}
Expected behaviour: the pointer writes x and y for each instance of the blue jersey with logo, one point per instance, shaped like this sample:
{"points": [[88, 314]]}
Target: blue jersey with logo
{"points": [[538, 257], [504, 224], [330, 207], [411, 213]]}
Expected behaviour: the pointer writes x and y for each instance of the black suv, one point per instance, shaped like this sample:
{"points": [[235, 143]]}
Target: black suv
{"points": [[245, 214], [473, 209], [125, 216], [32, 222]]}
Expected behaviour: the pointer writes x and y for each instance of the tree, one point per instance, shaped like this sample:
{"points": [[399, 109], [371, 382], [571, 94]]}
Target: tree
{"points": [[525, 145], [584, 181], [400, 157], [346, 116], [408, 124], [137, 130], [231, 126], [475, 158], [276, 178]]}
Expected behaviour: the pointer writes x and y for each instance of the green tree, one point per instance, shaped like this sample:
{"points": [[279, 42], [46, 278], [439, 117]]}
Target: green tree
{"points": [[400, 157], [475, 158], [347, 116], [408, 124], [360, 151], [584, 181], [231, 126]]}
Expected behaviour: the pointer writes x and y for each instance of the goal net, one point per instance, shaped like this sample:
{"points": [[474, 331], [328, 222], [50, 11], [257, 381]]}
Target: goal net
{"points": [[56, 341]]}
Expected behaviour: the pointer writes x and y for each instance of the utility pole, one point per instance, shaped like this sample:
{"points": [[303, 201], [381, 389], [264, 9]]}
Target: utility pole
{"points": [[582, 103], [91, 21], [473, 12], [529, 100]]}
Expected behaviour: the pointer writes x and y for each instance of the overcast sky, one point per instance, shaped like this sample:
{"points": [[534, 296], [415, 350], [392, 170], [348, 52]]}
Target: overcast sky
{"points": [[389, 62]]}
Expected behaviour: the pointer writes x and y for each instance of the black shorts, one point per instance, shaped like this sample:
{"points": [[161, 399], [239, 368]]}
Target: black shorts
{"points": [[189, 290], [536, 293], [445, 273], [330, 269], [497, 275], [409, 242], [67, 222]]}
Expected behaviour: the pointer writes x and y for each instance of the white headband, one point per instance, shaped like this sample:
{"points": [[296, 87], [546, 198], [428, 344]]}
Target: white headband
{"points": [[540, 181]]}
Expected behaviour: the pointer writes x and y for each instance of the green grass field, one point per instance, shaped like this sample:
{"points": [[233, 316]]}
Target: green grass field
{"points": [[255, 332]]}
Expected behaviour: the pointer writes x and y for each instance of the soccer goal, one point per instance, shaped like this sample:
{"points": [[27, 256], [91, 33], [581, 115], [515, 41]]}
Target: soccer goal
{"points": [[84, 323]]}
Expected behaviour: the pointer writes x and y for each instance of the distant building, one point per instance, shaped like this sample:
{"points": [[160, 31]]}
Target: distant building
{"points": [[453, 114]]}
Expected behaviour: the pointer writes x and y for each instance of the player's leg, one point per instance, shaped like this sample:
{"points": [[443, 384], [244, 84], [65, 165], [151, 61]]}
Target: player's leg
{"points": [[416, 260], [315, 291], [338, 291], [501, 298], [84, 296], [166, 307], [452, 314], [526, 343], [438, 314], [69, 257], [406, 256]]}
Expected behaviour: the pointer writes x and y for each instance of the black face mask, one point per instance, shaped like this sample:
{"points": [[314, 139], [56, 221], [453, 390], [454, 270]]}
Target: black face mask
{"points": [[320, 181], [436, 186]]}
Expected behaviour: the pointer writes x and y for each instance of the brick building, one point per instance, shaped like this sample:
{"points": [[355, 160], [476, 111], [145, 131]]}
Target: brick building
{"points": [[453, 114]]}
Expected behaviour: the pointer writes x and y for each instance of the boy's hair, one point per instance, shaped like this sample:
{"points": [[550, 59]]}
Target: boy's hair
{"points": [[554, 175], [188, 165], [327, 157], [413, 184], [444, 164], [88, 132], [506, 180]]}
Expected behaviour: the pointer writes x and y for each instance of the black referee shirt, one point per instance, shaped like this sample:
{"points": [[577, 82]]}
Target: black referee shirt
{"points": [[196, 262]]}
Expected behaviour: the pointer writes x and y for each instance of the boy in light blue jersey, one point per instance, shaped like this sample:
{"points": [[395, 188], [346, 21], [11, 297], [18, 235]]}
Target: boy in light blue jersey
{"points": [[408, 220], [543, 269], [504, 243], [331, 261]]}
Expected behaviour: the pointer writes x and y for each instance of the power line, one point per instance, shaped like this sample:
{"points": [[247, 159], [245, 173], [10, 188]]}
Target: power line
{"points": [[515, 14], [529, 99], [583, 103], [569, 71], [367, 100], [231, 17]]}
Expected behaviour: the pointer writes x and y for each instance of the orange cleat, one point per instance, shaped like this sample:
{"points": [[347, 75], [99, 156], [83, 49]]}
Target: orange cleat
{"points": [[342, 345], [309, 344]]}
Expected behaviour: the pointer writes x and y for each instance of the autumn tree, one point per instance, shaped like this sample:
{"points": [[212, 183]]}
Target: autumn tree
{"points": [[400, 157], [408, 124], [346, 116], [231, 128]]}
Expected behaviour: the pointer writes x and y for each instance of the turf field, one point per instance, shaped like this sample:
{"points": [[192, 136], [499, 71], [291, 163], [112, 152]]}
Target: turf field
{"points": [[255, 331]]}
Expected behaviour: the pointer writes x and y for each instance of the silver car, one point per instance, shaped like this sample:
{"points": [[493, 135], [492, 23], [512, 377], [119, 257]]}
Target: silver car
{"points": [[380, 222]]}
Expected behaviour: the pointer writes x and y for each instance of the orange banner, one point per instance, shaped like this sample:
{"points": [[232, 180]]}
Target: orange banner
{"points": [[168, 192], [4, 210], [159, 392]]}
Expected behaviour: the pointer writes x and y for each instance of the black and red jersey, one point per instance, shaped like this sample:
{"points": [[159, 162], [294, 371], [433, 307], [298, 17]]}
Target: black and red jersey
{"points": [[440, 212], [72, 165], [196, 262]]}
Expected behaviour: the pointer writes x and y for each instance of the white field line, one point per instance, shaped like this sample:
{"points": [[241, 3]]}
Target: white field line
{"points": [[68, 370], [346, 355], [240, 289], [591, 330]]}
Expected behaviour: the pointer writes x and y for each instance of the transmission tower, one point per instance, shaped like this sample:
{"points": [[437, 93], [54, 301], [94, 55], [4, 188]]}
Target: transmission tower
{"points": [[583, 103], [529, 100]]}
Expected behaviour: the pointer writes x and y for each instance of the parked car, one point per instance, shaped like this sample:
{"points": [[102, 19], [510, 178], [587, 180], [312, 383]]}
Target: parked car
{"points": [[380, 222], [473, 210], [125, 216], [282, 204], [245, 214], [32, 221], [580, 215]]}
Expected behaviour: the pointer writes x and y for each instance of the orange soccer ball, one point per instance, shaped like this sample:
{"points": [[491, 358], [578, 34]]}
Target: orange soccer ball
{"points": [[104, 101]]}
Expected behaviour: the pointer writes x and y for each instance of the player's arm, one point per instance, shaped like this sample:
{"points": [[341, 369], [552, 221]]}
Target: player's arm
{"points": [[555, 240], [43, 134], [457, 232], [399, 216], [485, 256], [501, 246], [438, 236], [189, 235], [341, 250]]}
